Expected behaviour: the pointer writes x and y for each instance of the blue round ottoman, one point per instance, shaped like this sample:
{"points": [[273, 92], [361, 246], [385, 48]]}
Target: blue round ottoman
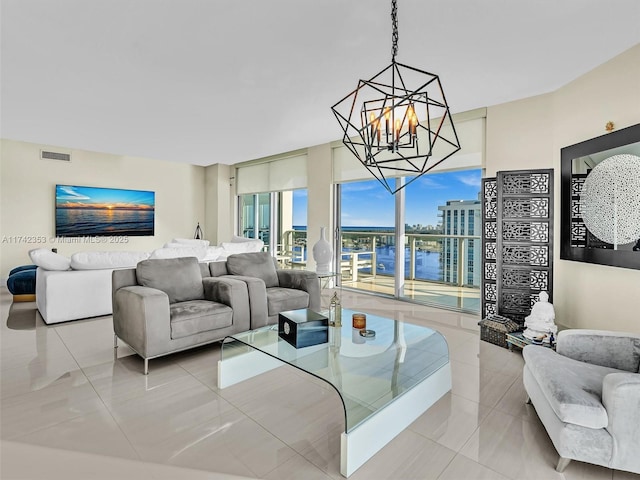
{"points": [[22, 283]]}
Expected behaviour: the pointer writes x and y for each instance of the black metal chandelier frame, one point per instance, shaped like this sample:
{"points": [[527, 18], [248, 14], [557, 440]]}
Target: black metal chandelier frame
{"points": [[384, 132]]}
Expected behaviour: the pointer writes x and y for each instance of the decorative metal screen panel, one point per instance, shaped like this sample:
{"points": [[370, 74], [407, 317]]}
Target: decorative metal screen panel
{"points": [[517, 237], [524, 240], [578, 228], [489, 240]]}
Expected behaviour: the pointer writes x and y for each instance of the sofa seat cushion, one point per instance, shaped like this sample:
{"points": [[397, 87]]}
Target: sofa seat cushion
{"points": [[197, 316], [179, 278], [283, 299], [572, 388]]}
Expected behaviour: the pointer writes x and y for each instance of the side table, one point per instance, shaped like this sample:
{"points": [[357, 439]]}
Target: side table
{"points": [[516, 339]]}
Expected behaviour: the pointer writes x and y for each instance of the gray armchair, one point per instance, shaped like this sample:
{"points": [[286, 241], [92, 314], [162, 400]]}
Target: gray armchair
{"points": [[587, 395], [168, 305], [272, 290]]}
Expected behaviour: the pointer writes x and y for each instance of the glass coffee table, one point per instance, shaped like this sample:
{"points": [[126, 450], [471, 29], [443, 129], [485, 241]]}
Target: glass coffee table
{"points": [[385, 382]]}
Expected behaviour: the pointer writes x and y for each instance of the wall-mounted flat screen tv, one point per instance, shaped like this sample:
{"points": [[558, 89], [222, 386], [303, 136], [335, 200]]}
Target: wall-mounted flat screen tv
{"points": [[93, 211]]}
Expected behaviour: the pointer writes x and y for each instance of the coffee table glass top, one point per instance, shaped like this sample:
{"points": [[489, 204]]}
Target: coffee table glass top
{"points": [[368, 373]]}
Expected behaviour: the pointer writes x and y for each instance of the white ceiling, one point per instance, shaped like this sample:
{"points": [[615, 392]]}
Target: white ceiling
{"points": [[212, 81]]}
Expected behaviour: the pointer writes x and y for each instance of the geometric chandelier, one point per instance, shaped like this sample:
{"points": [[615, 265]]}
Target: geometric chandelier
{"points": [[398, 122]]}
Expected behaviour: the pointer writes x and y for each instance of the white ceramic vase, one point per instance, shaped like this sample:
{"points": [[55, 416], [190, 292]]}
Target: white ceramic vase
{"points": [[322, 253]]}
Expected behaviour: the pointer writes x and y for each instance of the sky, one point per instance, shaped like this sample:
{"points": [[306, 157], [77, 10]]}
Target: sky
{"points": [[368, 203], [71, 196]]}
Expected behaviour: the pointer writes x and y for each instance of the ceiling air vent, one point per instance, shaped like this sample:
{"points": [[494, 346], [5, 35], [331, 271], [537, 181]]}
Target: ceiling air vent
{"points": [[45, 155]]}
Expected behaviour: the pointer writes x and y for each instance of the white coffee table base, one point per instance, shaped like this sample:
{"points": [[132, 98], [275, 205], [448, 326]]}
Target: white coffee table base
{"points": [[365, 440]]}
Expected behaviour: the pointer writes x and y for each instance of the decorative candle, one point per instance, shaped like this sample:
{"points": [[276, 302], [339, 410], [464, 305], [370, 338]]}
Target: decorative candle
{"points": [[359, 320]]}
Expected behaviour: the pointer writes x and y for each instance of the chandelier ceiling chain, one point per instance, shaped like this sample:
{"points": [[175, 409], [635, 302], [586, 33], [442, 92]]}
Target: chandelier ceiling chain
{"points": [[393, 128], [394, 30]]}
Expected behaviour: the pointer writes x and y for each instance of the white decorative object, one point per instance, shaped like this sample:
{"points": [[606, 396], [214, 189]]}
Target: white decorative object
{"points": [[540, 323], [611, 200], [322, 253]]}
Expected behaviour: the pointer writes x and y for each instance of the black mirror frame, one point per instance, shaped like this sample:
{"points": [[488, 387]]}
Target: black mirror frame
{"points": [[615, 258]]}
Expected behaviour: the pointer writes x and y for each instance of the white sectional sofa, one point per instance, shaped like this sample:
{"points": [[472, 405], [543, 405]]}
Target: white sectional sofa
{"points": [[80, 287]]}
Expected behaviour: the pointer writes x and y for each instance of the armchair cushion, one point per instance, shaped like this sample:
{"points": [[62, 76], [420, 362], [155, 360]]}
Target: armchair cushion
{"points": [[254, 264], [572, 388], [196, 316], [179, 278], [284, 299]]}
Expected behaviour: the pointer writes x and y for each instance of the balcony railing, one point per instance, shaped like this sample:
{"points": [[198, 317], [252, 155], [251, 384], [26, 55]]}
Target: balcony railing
{"points": [[448, 259]]}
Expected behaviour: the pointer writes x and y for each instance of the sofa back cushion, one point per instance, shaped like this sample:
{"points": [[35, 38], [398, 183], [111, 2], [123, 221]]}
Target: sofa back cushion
{"points": [[179, 278], [618, 350], [106, 260], [256, 264], [217, 269]]}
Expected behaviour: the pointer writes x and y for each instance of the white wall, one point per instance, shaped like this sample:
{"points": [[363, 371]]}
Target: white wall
{"points": [[219, 203], [27, 197], [529, 133]]}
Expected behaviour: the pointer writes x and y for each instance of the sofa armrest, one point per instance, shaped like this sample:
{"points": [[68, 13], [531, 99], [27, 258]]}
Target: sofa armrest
{"points": [[233, 293], [141, 318], [257, 291], [621, 399], [302, 280], [601, 347]]}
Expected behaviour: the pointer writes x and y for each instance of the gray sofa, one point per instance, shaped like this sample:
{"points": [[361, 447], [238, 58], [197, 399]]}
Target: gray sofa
{"points": [[587, 395], [168, 305]]}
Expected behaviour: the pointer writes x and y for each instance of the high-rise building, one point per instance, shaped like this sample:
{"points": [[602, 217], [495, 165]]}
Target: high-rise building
{"points": [[461, 217]]}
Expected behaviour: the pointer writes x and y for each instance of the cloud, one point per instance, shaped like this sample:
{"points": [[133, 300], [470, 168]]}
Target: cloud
{"points": [[357, 187], [71, 194], [470, 180], [430, 182]]}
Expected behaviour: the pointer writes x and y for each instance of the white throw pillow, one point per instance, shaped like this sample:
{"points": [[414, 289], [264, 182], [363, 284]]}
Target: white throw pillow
{"points": [[49, 260], [237, 239], [247, 244], [106, 260], [179, 245], [213, 253], [241, 247], [193, 242], [187, 251]]}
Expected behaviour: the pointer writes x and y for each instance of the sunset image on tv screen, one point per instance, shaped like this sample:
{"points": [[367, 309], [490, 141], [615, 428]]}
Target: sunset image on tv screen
{"points": [[92, 211]]}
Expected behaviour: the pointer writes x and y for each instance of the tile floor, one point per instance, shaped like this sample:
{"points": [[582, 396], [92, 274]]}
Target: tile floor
{"points": [[70, 410]]}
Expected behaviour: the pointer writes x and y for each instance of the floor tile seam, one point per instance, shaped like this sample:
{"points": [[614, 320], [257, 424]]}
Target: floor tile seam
{"points": [[505, 393], [53, 424], [527, 418], [484, 420], [270, 432], [293, 457], [480, 424], [55, 329], [485, 466], [115, 420], [18, 394], [493, 470], [484, 368], [448, 463]]}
